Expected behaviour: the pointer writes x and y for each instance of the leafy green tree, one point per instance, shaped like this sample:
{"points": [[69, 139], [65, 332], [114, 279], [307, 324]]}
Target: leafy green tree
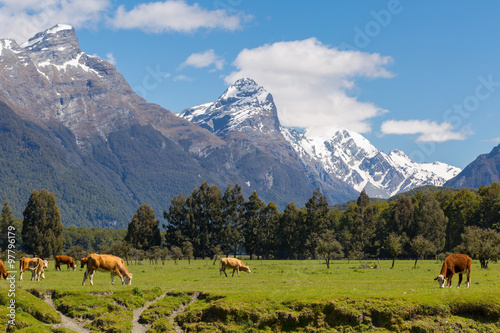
{"points": [[403, 214], [91, 238], [483, 244], [176, 253], [42, 227], [120, 249], [461, 211], [143, 231], [394, 243], [328, 247], [422, 247], [77, 252], [187, 249], [430, 221], [489, 207]]}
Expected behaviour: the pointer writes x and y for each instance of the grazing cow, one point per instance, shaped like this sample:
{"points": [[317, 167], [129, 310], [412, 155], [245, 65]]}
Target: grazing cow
{"points": [[65, 260], [3, 271], [84, 262], [236, 264], [454, 264], [107, 263], [24, 264]]}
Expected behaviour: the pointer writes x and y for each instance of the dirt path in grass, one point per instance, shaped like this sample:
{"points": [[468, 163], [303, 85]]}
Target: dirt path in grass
{"points": [[66, 321], [181, 309], [138, 327]]}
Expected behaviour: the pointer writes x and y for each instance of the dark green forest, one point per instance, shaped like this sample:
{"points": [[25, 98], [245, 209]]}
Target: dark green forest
{"points": [[208, 222]]}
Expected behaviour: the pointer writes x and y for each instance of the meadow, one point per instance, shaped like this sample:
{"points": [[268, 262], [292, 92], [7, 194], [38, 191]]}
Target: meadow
{"points": [[287, 295]]}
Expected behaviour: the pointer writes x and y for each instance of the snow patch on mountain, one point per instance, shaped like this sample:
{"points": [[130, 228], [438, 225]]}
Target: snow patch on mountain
{"points": [[244, 106], [351, 157], [78, 63], [345, 155]]}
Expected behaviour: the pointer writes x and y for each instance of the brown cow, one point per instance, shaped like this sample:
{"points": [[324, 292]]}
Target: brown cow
{"points": [[24, 264], [107, 263], [454, 264], [84, 262], [65, 260], [236, 264], [3, 271]]}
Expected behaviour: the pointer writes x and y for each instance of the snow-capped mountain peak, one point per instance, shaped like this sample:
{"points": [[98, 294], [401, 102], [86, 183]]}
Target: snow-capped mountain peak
{"points": [[244, 107], [351, 157]]}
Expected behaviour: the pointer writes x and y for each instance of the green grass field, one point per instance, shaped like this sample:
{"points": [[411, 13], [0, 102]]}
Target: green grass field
{"points": [[277, 295]]}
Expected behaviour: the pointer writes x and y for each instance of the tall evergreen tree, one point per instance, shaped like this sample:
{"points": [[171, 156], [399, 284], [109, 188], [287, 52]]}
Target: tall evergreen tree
{"points": [[359, 220], [266, 230], [251, 224], [233, 209], [207, 211], [6, 220], [290, 238], [143, 231], [402, 217], [42, 227], [316, 220], [177, 226]]}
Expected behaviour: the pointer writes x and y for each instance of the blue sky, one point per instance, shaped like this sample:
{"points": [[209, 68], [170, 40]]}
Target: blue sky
{"points": [[419, 76]]}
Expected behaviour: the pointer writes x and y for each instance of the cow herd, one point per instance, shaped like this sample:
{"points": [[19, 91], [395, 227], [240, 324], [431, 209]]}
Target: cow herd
{"points": [[453, 264]]}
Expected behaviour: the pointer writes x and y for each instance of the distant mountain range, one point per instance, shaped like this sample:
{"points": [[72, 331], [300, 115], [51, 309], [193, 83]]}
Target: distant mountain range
{"points": [[70, 123], [246, 107], [484, 170]]}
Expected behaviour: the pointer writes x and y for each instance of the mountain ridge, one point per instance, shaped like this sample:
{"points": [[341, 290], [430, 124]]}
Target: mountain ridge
{"points": [[343, 155], [112, 140], [484, 170]]}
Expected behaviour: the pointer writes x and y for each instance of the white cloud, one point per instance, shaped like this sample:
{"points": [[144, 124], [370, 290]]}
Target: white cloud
{"points": [[428, 131], [311, 82], [494, 141], [204, 59], [174, 15], [21, 20], [183, 78], [110, 58]]}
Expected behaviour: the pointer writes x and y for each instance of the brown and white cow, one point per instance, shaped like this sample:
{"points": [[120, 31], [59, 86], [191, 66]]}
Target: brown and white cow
{"points": [[454, 264], [65, 260], [106, 263], [236, 264], [3, 271], [35, 265]]}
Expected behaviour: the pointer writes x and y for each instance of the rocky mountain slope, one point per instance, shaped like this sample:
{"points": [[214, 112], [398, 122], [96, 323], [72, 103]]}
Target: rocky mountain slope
{"points": [[351, 157], [346, 156], [124, 151], [246, 113], [484, 170]]}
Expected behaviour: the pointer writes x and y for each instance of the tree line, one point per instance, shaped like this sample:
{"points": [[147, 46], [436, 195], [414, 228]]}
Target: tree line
{"points": [[425, 224], [210, 223]]}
